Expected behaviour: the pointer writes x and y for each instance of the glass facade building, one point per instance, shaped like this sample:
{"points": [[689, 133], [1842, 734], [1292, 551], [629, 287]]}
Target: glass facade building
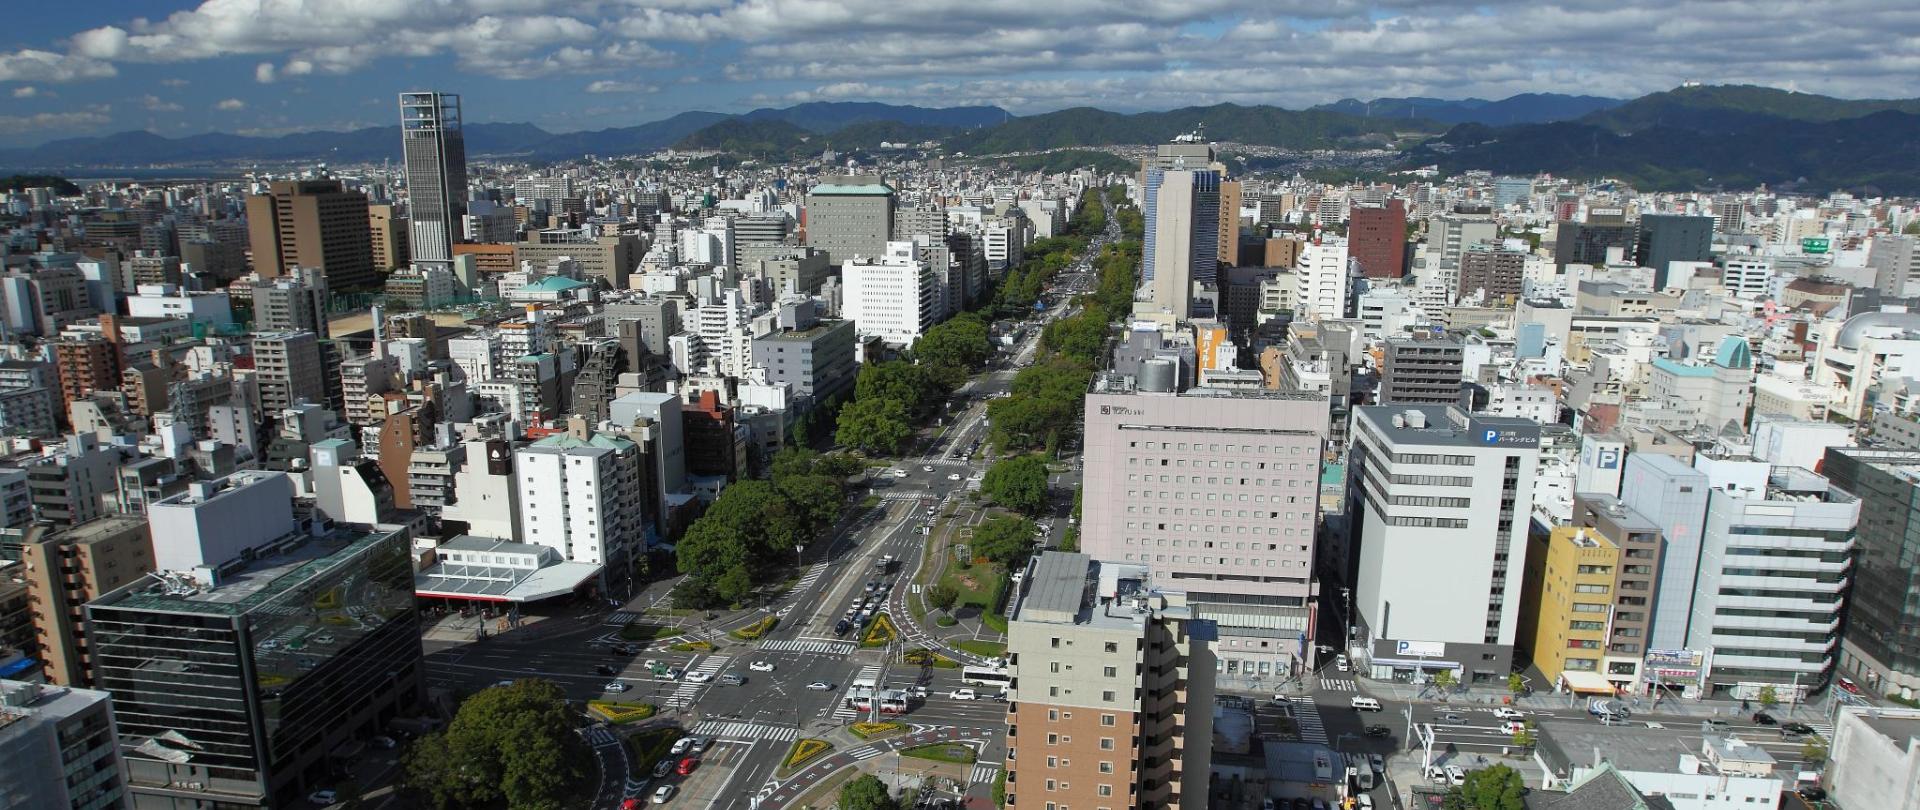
{"points": [[1881, 647]]}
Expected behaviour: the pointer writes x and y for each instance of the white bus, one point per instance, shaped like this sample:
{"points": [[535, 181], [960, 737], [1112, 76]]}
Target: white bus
{"points": [[986, 676]]}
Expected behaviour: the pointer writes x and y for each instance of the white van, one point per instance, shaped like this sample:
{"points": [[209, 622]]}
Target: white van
{"points": [[1364, 704]]}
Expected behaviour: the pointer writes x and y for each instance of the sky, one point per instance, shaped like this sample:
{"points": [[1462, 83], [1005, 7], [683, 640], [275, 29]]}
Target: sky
{"points": [[268, 67]]}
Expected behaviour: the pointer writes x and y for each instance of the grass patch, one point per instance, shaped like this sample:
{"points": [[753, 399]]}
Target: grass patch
{"points": [[692, 646], [870, 502], [754, 631], [647, 748], [1907, 702], [644, 632], [803, 751], [868, 731], [984, 649], [619, 713], [995, 622], [946, 621], [925, 657], [880, 633], [941, 752]]}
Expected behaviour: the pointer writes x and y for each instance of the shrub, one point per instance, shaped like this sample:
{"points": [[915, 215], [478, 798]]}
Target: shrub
{"points": [[621, 713], [756, 630], [880, 633], [693, 646], [946, 621], [868, 731], [926, 657], [804, 750]]}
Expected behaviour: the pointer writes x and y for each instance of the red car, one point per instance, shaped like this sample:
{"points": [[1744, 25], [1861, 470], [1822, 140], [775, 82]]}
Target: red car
{"points": [[630, 804], [687, 765], [1848, 685]]}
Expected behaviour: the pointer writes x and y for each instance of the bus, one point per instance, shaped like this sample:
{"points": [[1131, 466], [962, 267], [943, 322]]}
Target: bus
{"points": [[986, 676]]}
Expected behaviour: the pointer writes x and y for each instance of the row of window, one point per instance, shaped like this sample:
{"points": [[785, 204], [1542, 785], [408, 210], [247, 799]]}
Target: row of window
{"points": [[1213, 480], [1191, 559], [1215, 448]]}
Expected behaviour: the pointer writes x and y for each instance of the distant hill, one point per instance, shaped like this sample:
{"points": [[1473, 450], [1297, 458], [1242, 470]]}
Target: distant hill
{"points": [[1259, 125], [763, 137], [627, 140], [833, 116], [1526, 108], [1731, 108]]}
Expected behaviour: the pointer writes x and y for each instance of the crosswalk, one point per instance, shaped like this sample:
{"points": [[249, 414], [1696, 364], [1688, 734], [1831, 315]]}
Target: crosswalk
{"points": [[810, 646], [687, 691], [746, 731], [814, 572], [905, 495], [600, 737], [843, 713], [1307, 716], [1825, 730], [1339, 685], [621, 617], [868, 752], [983, 773]]}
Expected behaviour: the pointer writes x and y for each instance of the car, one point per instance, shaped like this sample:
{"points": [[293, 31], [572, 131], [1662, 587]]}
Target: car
{"points": [[672, 674], [1435, 773], [1453, 718], [1266, 804], [1365, 801], [1456, 776], [631, 803], [663, 769], [699, 677], [927, 468], [1300, 803], [1512, 727], [681, 746], [687, 766], [1282, 699], [507, 682], [1340, 663], [1717, 722], [1505, 713], [616, 686], [963, 694], [953, 476], [820, 686], [917, 691], [841, 627], [323, 797], [603, 669], [1379, 731], [1378, 763], [1813, 793], [1795, 728], [386, 742], [663, 795], [761, 666], [1763, 719], [698, 745], [1848, 685]]}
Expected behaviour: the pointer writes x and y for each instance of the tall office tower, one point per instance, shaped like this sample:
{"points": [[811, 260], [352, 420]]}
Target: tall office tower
{"points": [[1186, 153], [1176, 461], [610, 257], [1881, 651], [1511, 191], [895, 296], [1112, 690], [1662, 239], [1377, 239], [1770, 572], [1439, 495], [1185, 242], [927, 219], [1451, 234], [1229, 232], [1896, 265], [1324, 274], [67, 568], [1416, 371], [389, 234], [435, 150], [580, 495], [1588, 242], [850, 216], [59, 748], [1634, 585], [290, 370], [1494, 273], [295, 302], [312, 223], [239, 690]]}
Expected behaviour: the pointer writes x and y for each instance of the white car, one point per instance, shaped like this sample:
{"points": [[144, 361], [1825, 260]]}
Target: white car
{"points": [[699, 677], [1513, 727], [1456, 776], [963, 694], [663, 795], [323, 797], [820, 686], [681, 746], [761, 666], [616, 686], [1505, 713], [927, 468], [953, 476]]}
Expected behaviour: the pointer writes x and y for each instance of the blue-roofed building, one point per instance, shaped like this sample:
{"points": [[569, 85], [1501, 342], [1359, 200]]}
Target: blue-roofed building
{"points": [[1713, 394], [850, 216]]}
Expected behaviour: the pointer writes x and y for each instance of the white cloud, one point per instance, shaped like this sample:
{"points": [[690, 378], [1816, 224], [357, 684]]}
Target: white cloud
{"points": [[614, 86], [264, 73], [46, 66], [57, 121], [158, 104], [231, 104], [28, 91]]}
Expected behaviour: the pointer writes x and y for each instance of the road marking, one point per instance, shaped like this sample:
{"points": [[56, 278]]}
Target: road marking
{"points": [[622, 617], [746, 731], [806, 646], [688, 691], [983, 772], [868, 752], [814, 572], [843, 712], [1339, 685], [1306, 715]]}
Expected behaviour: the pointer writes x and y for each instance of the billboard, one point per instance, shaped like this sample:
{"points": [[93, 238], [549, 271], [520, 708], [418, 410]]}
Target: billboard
{"points": [[1420, 649], [1673, 658], [1815, 244]]}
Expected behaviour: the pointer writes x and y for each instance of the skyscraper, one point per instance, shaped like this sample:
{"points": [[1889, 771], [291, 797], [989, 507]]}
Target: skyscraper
{"points": [[435, 150], [1184, 224], [850, 216], [312, 223], [1377, 238], [1663, 239]]}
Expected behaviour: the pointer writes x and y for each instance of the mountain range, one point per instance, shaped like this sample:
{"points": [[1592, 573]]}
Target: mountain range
{"points": [[1731, 136]]}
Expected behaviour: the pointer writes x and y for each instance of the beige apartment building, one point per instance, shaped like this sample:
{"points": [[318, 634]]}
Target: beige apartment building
{"points": [[67, 568]]}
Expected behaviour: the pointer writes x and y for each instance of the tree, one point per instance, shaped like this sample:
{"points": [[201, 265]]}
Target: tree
{"points": [[1018, 483], [1444, 680], [943, 596], [953, 349], [1003, 539], [866, 793], [1814, 751], [511, 743], [1516, 683], [1525, 737], [814, 499], [1495, 788], [1769, 697], [734, 585], [897, 380], [876, 426]]}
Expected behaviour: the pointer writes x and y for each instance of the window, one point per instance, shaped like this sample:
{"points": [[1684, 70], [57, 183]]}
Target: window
{"points": [[1107, 790], [1106, 767], [1106, 719], [1112, 646], [1111, 672], [1106, 743], [1053, 714], [1107, 696]]}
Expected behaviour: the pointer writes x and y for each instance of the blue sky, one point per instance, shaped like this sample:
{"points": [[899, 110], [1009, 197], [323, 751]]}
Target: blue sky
{"points": [[272, 66]]}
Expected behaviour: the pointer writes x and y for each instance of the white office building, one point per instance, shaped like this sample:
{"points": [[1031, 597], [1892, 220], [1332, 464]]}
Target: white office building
{"points": [[579, 494], [894, 297], [1325, 279]]}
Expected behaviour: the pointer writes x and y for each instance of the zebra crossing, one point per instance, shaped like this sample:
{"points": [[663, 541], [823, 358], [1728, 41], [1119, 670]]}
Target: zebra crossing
{"points": [[810, 646], [868, 752], [1306, 716], [814, 572], [600, 737], [685, 693], [1339, 685], [983, 773], [1825, 730], [746, 731], [905, 495], [842, 712], [620, 618]]}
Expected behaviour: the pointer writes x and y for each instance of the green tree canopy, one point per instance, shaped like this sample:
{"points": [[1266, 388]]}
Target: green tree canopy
{"points": [[1004, 539], [510, 743], [954, 349], [866, 793], [1018, 483], [897, 380], [876, 426], [1495, 788], [943, 596]]}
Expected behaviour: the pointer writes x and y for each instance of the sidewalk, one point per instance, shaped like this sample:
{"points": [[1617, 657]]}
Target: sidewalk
{"points": [[1408, 693]]}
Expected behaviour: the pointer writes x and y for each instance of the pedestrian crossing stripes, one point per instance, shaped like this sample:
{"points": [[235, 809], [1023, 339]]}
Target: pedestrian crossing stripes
{"points": [[1307, 716], [684, 694], [983, 773], [746, 731], [600, 737], [1825, 730], [1339, 685], [905, 495], [814, 572], [868, 752], [807, 646], [841, 711], [619, 618]]}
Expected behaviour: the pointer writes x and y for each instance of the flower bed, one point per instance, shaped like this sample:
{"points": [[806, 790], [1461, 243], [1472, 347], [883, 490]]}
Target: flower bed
{"points": [[880, 633], [868, 731], [804, 750], [614, 711], [754, 631]]}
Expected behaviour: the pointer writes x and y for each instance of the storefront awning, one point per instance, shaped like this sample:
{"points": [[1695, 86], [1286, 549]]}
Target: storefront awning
{"points": [[1587, 683]]}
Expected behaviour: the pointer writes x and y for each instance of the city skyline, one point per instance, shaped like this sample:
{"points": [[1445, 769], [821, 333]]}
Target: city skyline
{"points": [[217, 66]]}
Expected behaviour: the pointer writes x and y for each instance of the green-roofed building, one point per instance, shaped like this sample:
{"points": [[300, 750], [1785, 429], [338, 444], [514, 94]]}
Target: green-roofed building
{"points": [[849, 216]]}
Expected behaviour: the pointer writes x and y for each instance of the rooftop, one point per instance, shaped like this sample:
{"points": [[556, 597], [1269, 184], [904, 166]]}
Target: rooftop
{"points": [[1070, 588], [568, 441], [1568, 744], [1900, 726], [864, 189], [1448, 426], [239, 592]]}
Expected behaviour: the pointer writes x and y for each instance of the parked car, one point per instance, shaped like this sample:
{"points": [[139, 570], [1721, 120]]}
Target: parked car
{"points": [[323, 797], [1456, 776], [1505, 713], [1848, 685], [386, 742], [1813, 793]]}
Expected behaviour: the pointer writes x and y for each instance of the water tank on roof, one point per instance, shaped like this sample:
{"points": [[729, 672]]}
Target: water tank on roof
{"points": [[1157, 375]]}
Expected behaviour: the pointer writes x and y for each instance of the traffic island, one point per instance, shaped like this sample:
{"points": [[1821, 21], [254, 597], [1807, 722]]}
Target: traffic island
{"points": [[874, 731], [620, 713], [753, 632], [802, 753], [880, 633]]}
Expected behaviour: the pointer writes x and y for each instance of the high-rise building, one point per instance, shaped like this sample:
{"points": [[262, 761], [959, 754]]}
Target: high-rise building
{"points": [[894, 296], [1323, 273], [579, 494], [312, 223], [1588, 242], [814, 356], [67, 568], [612, 258], [59, 748], [1185, 223], [1895, 260], [1881, 651], [1494, 273], [434, 146], [1635, 584], [290, 370], [1377, 239], [1569, 602], [85, 365], [389, 234], [1230, 200], [1662, 239], [1111, 702], [850, 217], [1439, 495], [294, 302], [1417, 371]]}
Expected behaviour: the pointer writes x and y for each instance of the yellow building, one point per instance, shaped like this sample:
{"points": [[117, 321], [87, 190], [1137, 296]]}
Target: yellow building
{"points": [[1575, 599]]}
